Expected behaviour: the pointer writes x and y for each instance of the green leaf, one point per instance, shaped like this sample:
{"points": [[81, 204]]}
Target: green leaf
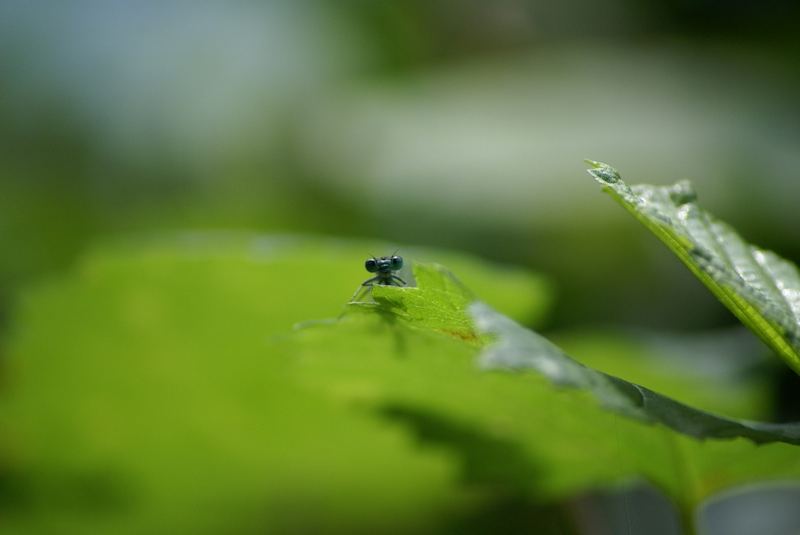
{"points": [[159, 388], [519, 349], [718, 371], [559, 429], [438, 303], [759, 287], [146, 392]]}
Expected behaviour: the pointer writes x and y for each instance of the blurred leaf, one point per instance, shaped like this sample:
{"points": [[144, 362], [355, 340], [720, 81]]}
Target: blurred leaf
{"points": [[520, 349], [717, 371], [145, 393], [548, 441], [759, 287], [158, 389]]}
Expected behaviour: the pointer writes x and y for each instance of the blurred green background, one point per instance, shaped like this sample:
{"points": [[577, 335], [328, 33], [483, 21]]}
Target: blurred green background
{"points": [[460, 125]]}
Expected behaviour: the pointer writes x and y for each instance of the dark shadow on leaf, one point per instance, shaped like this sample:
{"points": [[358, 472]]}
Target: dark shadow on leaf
{"points": [[485, 461], [387, 310], [495, 466], [96, 492]]}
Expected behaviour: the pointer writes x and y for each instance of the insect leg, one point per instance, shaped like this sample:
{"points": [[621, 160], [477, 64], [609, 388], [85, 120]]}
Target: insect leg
{"points": [[365, 287], [395, 277]]}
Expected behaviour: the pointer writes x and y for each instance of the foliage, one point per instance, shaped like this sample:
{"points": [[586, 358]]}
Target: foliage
{"points": [[759, 287], [160, 388]]}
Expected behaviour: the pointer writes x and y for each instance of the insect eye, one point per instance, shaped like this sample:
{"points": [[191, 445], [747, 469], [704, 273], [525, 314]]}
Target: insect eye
{"points": [[371, 265], [397, 262]]}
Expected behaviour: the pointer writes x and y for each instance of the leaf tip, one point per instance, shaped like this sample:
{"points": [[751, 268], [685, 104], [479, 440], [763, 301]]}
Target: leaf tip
{"points": [[603, 172]]}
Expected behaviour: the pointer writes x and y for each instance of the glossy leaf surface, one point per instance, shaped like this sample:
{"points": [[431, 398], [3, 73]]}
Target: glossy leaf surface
{"points": [[759, 287]]}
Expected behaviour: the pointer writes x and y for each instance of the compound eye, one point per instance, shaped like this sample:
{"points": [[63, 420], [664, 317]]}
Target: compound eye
{"points": [[371, 265], [397, 262]]}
